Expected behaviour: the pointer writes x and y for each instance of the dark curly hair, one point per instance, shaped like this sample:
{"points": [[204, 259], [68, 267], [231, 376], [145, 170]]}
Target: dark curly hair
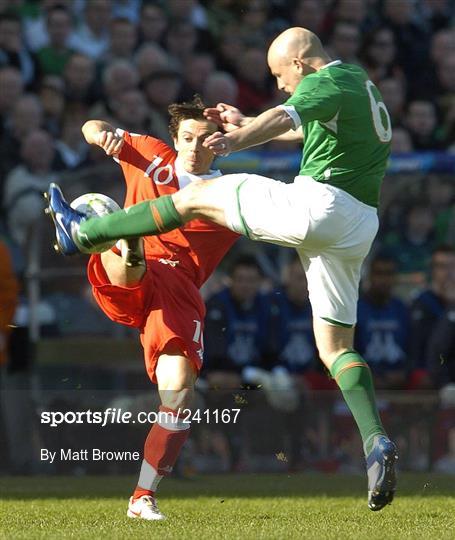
{"points": [[190, 110]]}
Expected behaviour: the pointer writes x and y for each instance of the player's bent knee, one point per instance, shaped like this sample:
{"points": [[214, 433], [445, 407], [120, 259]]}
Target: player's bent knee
{"points": [[118, 273], [187, 200], [176, 376]]}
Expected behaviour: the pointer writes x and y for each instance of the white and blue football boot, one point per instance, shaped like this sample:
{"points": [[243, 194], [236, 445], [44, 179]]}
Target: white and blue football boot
{"points": [[381, 473], [66, 221]]}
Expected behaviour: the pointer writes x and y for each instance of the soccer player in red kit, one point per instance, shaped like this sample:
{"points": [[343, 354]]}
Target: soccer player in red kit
{"points": [[153, 284]]}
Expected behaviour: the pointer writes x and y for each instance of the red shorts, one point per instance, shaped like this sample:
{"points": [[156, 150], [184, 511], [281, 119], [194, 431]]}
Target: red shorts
{"points": [[166, 306]]}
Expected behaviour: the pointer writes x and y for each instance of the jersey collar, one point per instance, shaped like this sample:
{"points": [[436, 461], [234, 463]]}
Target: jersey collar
{"points": [[330, 64], [184, 177]]}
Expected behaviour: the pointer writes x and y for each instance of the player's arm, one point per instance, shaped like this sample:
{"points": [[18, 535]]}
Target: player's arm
{"points": [[229, 118], [293, 135], [104, 135], [265, 127]]}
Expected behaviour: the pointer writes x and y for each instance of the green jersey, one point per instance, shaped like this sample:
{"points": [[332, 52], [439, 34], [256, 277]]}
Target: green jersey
{"points": [[347, 129]]}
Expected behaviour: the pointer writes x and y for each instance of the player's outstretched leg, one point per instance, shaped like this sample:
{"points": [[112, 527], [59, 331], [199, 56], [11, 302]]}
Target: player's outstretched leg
{"points": [[353, 376], [66, 221], [76, 233]]}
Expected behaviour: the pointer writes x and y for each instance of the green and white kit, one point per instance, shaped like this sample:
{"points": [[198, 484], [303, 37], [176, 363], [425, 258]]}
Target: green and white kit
{"points": [[329, 212]]}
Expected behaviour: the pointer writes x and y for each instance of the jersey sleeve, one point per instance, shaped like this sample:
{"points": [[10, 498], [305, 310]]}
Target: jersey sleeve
{"points": [[137, 147], [316, 98]]}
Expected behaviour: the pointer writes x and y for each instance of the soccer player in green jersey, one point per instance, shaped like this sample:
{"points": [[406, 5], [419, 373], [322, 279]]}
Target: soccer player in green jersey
{"points": [[328, 214]]}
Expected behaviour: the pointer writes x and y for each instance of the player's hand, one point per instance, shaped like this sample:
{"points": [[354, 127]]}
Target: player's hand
{"points": [[227, 117], [218, 143], [110, 142]]}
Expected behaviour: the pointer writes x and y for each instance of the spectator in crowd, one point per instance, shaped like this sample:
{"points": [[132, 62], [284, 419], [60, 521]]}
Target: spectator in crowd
{"points": [[220, 15], [34, 23], [445, 92], [13, 51], [126, 9], [309, 14], [430, 305], [53, 57], [412, 246], [440, 192], [255, 23], [294, 340], [253, 79], [379, 55], [421, 121], [344, 43], [123, 39], [448, 232], [354, 11], [132, 114], [118, 77], [71, 148], [236, 337], [195, 73], [161, 88], [80, 80], [150, 57], [382, 333], [440, 350], [220, 87], [411, 37], [26, 116], [152, 23], [437, 13], [25, 184], [51, 93], [92, 37], [394, 96], [442, 46], [181, 40], [230, 48], [351, 11], [11, 89], [237, 325], [189, 10], [401, 141]]}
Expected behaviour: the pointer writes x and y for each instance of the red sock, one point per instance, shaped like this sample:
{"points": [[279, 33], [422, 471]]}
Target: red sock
{"points": [[116, 250], [162, 448], [140, 492]]}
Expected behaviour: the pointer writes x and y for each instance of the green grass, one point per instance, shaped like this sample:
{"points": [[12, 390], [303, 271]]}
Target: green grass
{"points": [[229, 506]]}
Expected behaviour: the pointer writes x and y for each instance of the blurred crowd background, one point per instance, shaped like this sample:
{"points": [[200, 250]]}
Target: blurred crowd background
{"points": [[125, 61]]}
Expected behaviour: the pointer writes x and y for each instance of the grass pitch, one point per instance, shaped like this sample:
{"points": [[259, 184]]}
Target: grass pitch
{"points": [[228, 506]]}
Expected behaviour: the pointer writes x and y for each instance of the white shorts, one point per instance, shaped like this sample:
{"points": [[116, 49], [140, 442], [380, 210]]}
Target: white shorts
{"points": [[331, 230]]}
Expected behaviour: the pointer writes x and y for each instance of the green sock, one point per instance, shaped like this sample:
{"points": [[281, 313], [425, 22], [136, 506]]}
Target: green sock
{"points": [[150, 217], [353, 376]]}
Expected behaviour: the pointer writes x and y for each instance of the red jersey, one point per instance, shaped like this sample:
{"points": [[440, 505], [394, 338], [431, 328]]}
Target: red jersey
{"points": [[151, 169]]}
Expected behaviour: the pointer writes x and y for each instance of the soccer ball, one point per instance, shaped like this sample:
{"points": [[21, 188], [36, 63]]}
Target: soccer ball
{"points": [[96, 205]]}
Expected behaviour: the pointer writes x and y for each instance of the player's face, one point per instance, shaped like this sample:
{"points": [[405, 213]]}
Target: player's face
{"points": [[442, 269], [245, 283], [297, 286], [196, 158], [287, 74], [382, 278]]}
